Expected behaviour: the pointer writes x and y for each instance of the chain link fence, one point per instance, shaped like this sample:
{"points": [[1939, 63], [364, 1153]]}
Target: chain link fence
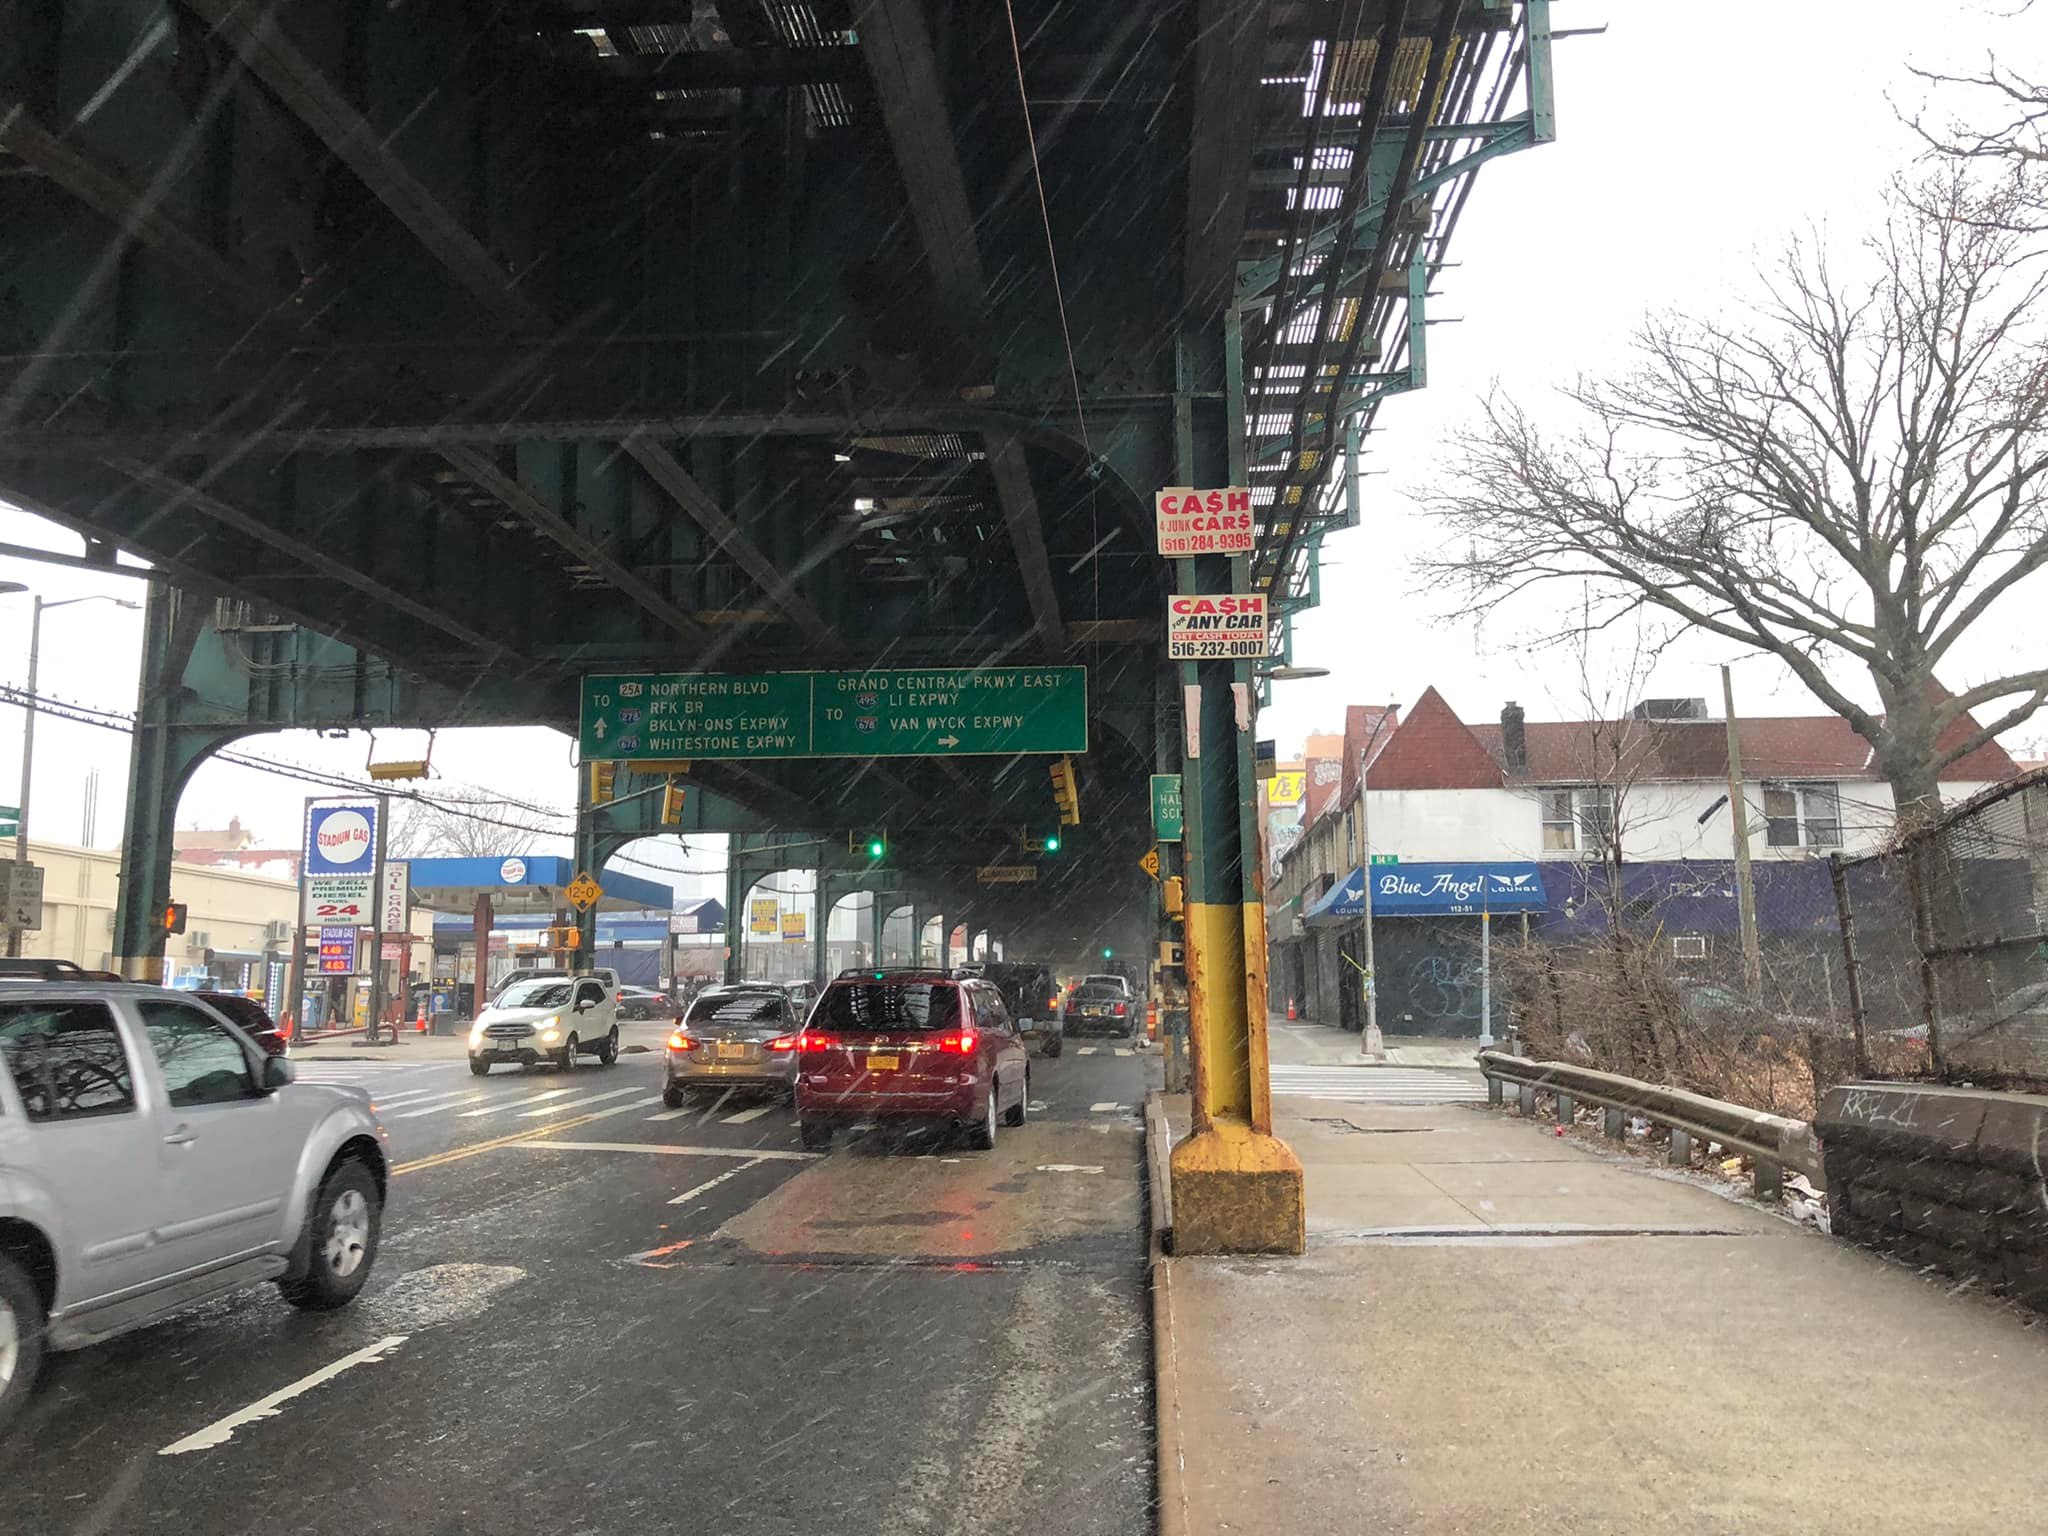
{"points": [[1946, 935]]}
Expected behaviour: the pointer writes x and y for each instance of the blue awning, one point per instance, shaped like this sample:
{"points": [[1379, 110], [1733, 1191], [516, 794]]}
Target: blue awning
{"points": [[1432, 890]]}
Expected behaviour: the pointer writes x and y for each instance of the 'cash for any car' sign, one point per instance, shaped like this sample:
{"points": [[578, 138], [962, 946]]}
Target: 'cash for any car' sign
{"points": [[1192, 522], [1228, 626]]}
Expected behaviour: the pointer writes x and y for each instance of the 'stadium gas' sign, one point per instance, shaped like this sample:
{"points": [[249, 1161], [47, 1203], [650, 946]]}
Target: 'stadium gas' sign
{"points": [[1194, 522], [1218, 626]]}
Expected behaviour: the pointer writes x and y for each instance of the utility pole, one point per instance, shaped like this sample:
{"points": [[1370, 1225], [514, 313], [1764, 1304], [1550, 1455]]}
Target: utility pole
{"points": [[377, 925], [1738, 817], [1371, 1043], [28, 753]]}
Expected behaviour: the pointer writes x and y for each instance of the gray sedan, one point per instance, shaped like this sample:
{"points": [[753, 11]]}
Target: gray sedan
{"points": [[738, 1036]]}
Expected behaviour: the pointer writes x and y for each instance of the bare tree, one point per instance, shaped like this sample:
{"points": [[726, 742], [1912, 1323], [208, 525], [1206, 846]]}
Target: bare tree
{"points": [[2008, 121], [460, 823], [1854, 472]]}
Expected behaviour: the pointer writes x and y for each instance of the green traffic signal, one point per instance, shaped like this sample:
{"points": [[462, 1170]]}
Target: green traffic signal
{"points": [[1108, 953], [877, 847], [1052, 843]]}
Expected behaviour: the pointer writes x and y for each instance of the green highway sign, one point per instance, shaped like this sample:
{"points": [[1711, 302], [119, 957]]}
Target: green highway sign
{"points": [[884, 712], [1167, 819], [10, 820]]}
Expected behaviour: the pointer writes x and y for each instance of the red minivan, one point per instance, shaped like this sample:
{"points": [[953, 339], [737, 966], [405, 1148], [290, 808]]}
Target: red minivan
{"points": [[910, 1045]]}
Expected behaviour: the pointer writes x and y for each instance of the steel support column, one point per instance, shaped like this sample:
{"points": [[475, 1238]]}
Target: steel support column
{"points": [[737, 885], [1237, 1188], [166, 750]]}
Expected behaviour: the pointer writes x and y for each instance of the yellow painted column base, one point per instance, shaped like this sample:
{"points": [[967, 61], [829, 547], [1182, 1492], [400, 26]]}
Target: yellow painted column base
{"points": [[149, 968], [1236, 1190]]}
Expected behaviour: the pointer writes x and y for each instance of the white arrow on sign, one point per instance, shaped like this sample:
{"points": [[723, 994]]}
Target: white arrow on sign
{"points": [[598, 730], [949, 741]]}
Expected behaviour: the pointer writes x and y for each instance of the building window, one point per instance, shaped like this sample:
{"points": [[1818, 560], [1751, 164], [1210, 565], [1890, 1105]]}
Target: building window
{"points": [[1803, 815], [1577, 818]]}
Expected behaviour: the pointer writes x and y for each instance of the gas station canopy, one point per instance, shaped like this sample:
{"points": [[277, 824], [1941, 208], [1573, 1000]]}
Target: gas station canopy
{"points": [[525, 884]]}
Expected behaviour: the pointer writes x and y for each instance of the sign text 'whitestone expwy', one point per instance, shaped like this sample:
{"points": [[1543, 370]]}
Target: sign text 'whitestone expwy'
{"points": [[1197, 522], [1219, 626]]}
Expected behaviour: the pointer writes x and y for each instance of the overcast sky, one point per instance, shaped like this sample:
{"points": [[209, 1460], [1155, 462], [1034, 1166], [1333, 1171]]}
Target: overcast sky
{"points": [[1689, 141]]}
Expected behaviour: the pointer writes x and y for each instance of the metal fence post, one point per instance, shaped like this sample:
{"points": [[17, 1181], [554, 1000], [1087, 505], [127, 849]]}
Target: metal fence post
{"points": [[1681, 1148], [1565, 1109], [1495, 1096], [1614, 1124], [1845, 916], [1527, 1101]]}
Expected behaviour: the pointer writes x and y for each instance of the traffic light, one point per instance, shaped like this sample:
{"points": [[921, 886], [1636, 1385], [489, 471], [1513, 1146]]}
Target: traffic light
{"points": [[1172, 894], [1065, 793], [174, 917], [672, 796], [1108, 953], [602, 777], [874, 844], [1052, 842]]}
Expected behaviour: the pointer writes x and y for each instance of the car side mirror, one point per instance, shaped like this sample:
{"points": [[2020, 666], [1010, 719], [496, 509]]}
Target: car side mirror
{"points": [[277, 1072]]}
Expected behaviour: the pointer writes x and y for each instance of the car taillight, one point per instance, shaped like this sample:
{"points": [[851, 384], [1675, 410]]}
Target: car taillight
{"points": [[1120, 1010], [681, 1042], [960, 1044], [1052, 1002], [811, 1041], [783, 1042]]}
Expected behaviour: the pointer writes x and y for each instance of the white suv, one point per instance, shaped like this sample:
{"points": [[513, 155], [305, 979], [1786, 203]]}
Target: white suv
{"points": [[549, 1018], [148, 1161]]}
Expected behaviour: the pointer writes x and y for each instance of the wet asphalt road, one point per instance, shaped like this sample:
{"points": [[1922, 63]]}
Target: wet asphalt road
{"points": [[902, 1337]]}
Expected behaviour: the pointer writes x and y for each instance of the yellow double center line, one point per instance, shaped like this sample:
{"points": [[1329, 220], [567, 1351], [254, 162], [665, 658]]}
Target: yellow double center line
{"points": [[457, 1154]]}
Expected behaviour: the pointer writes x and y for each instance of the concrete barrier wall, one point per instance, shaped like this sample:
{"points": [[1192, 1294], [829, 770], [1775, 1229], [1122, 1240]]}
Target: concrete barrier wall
{"points": [[1951, 1177]]}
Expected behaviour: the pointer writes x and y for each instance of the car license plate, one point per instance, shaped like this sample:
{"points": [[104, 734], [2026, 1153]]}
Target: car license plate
{"points": [[733, 1050], [1093, 1013], [883, 1063]]}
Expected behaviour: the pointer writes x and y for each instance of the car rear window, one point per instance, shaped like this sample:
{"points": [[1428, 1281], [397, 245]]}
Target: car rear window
{"points": [[1100, 992], [891, 1005], [736, 1008]]}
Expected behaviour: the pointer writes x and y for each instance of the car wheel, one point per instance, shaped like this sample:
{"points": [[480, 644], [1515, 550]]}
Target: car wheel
{"points": [[816, 1134], [341, 1236], [21, 1338], [608, 1052], [982, 1134], [1016, 1116], [479, 1068], [672, 1095], [566, 1057]]}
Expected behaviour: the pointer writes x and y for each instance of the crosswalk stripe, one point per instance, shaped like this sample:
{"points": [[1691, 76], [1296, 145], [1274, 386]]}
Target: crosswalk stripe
{"points": [[1122, 1052], [671, 1114], [1088, 1050], [1106, 1107], [409, 1094], [527, 1098], [439, 1105], [748, 1114], [593, 1098], [712, 1183]]}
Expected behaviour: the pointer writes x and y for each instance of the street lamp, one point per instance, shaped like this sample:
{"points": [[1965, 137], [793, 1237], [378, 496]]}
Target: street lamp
{"points": [[28, 725], [1290, 674], [1371, 1042]]}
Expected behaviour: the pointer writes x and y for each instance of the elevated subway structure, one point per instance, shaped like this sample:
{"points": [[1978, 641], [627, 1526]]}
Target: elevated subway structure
{"points": [[438, 358]]}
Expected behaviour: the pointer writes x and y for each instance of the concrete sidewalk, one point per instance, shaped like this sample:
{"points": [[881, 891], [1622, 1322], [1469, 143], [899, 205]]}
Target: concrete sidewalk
{"points": [[1300, 1043], [1498, 1330]]}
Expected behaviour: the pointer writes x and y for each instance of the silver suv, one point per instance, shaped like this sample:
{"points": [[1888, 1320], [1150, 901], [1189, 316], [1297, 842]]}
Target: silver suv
{"points": [[148, 1161]]}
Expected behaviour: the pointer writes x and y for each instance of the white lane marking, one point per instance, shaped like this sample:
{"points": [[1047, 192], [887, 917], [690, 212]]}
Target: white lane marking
{"points": [[1088, 1050], [221, 1431], [1069, 1168], [748, 1114], [400, 1098], [588, 1098], [530, 1098], [620, 1109], [1107, 1106], [1123, 1052], [440, 1104], [712, 1183], [551, 1145], [671, 1114]]}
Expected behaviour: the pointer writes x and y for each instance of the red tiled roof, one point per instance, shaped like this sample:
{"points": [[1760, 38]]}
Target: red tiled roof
{"points": [[1778, 747], [1433, 749]]}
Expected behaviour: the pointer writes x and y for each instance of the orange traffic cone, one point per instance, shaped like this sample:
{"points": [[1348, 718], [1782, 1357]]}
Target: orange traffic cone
{"points": [[1290, 1010], [420, 1027]]}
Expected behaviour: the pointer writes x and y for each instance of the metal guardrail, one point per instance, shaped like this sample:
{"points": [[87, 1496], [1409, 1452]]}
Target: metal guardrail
{"points": [[1773, 1142]]}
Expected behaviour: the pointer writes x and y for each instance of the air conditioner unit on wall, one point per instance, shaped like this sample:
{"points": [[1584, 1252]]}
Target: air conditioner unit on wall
{"points": [[277, 930], [1688, 946], [199, 941]]}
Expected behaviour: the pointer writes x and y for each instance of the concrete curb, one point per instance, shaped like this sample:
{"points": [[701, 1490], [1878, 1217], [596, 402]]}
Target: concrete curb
{"points": [[1169, 1466]]}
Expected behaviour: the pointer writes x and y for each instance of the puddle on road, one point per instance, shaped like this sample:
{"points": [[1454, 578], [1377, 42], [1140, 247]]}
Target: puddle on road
{"points": [[438, 1294]]}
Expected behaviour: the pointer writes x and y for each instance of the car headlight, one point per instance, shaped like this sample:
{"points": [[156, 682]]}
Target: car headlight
{"points": [[476, 1033], [550, 1027]]}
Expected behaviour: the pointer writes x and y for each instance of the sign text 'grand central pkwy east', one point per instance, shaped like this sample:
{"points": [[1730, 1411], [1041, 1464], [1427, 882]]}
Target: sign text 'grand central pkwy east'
{"points": [[885, 712]]}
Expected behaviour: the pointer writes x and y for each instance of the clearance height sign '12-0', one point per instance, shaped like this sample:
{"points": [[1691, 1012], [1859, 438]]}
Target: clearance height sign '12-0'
{"points": [[1217, 626], [1194, 522]]}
